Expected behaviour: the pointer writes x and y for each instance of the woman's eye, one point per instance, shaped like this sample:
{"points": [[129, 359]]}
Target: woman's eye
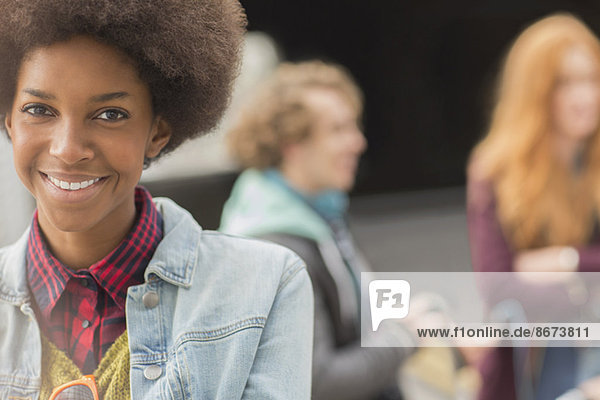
{"points": [[112, 115], [37, 110]]}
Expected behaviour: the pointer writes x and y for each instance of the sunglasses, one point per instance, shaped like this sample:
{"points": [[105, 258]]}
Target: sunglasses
{"points": [[80, 389]]}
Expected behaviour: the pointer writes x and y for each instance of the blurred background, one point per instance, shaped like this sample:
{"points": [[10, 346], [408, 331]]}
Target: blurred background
{"points": [[427, 69]]}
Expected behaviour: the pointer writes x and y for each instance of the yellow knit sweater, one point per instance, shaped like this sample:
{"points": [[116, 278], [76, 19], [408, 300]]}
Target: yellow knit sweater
{"points": [[112, 374]]}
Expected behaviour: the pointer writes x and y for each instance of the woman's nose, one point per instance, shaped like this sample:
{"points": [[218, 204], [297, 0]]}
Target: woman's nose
{"points": [[360, 141], [69, 143]]}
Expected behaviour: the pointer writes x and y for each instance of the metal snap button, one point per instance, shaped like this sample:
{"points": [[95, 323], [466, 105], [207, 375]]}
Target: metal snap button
{"points": [[152, 372], [150, 299], [85, 324]]}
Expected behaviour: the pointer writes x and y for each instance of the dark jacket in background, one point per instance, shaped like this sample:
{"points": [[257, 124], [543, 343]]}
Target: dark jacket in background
{"points": [[264, 206]]}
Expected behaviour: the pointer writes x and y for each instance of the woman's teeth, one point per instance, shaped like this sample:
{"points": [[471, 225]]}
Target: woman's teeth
{"points": [[71, 185]]}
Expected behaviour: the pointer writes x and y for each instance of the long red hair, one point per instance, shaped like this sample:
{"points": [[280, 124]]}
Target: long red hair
{"points": [[540, 202]]}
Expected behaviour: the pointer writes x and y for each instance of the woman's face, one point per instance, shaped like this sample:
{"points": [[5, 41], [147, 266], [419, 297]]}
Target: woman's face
{"points": [[328, 158], [81, 124], [576, 98]]}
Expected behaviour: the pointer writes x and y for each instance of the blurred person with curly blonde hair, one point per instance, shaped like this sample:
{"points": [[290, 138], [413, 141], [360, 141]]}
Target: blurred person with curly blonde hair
{"points": [[533, 197], [300, 140]]}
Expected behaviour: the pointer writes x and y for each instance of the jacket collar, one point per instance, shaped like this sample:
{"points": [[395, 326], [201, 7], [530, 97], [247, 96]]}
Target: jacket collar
{"points": [[13, 272], [174, 260], [177, 254], [259, 206]]}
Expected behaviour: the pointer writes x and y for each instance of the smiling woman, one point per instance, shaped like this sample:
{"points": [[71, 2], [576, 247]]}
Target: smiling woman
{"points": [[81, 125], [90, 96]]}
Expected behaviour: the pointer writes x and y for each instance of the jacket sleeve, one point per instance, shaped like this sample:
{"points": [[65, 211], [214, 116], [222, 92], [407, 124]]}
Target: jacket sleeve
{"points": [[490, 251], [589, 257], [348, 372], [282, 366]]}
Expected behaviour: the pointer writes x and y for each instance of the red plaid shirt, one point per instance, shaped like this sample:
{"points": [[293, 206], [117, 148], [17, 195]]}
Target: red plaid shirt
{"points": [[83, 312]]}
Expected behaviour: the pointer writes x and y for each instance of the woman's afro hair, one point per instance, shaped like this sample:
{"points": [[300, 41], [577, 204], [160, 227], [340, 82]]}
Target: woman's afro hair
{"points": [[187, 51]]}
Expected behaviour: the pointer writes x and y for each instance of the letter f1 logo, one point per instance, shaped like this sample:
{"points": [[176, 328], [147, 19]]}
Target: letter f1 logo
{"points": [[389, 299]]}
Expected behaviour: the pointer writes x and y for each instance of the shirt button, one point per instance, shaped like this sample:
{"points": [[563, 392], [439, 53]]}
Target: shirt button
{"points": [[152, 372], [85, 324], [84, 282], [150, 299]]}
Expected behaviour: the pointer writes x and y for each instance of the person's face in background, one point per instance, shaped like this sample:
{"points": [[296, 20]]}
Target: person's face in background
{"points": [[328, 158], [576, 97]]}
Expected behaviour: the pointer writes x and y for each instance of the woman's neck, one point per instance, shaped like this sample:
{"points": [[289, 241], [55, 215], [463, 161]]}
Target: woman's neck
{"points": [[79, 250], [298, 180]]}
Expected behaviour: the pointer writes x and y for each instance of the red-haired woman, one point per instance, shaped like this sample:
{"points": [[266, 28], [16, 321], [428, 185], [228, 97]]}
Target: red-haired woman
{"points": [[533, 182]]}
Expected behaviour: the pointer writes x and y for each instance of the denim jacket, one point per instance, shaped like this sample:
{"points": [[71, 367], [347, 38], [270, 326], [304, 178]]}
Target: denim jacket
{"points": [[234, 319]]}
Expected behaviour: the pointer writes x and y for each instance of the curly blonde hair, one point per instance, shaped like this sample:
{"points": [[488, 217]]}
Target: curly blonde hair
{"points": [[278, 113]]}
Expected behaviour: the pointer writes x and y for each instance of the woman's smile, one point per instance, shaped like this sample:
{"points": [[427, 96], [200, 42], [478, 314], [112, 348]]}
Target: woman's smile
{"points": [[66, 185], [71, 189]]}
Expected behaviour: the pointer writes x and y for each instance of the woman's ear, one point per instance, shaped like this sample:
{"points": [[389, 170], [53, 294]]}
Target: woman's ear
{"points": [[159, 137], [8, 125]]}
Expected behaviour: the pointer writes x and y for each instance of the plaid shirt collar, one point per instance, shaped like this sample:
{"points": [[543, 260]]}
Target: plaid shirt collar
{"points": [[121, 268]]}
